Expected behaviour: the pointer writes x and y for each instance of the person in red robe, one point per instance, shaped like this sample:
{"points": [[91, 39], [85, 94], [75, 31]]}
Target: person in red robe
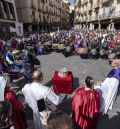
{"points": [[86, 106], [18, 115]]}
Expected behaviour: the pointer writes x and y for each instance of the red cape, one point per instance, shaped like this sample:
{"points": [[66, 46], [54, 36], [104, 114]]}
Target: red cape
{"points": [[86, 108], [18, 115]]}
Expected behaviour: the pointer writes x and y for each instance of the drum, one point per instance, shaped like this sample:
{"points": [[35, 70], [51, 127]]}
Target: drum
{"points": [[102, 52], [68, 49], [93, 51], [61, 46], [55, 46], [16, 53], [47, 45], [83, 50]]}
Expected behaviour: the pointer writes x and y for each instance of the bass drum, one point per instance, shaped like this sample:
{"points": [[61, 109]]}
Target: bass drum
{"points": [[68, 49], [83, 51], [93, 52]]}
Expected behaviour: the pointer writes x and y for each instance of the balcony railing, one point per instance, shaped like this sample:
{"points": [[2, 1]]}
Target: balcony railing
{"points": [[116, 14], [104, 1], [89, 19], [93, 18], [105, 16], [89, 8], [33, 5], [109, 15]]}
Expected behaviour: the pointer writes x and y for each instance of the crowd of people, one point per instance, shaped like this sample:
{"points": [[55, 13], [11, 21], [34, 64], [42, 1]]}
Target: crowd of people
{"points": [[88, 102]]}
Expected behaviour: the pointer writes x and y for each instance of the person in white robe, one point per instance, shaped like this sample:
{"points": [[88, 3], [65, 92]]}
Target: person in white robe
{"points": [[36, 91], [109, 87]]}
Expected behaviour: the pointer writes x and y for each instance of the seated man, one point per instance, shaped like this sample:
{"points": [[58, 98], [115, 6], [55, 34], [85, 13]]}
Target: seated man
{"points": [[109, 87]]}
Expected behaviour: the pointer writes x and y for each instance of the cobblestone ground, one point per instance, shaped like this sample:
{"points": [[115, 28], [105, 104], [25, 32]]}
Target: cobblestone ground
{"points": [[80, 68]]}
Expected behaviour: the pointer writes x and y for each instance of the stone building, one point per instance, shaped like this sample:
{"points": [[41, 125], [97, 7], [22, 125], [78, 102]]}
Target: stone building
{"points": [[97, 14]]}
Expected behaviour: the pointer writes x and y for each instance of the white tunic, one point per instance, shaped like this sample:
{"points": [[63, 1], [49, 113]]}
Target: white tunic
{"points": [[108, 92], [34, 92]]}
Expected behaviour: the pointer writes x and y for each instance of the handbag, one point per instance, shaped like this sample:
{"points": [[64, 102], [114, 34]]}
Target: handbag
{"points": [[41, 105], [45, 103]]}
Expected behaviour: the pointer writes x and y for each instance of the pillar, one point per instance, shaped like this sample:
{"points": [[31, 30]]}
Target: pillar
{"points": [[29, 28], [99, 26], [112, 25]]}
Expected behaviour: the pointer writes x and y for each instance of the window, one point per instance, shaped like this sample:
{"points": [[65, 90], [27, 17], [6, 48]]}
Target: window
{"points": [[12, 12], [1, 10], [5, 10]]}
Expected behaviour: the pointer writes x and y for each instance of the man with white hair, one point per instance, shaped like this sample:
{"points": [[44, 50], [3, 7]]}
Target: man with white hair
{"points": [[35, 92], [109, 87]]}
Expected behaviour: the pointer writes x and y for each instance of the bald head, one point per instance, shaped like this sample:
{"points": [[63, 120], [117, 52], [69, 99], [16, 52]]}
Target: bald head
{"points": [[37, 76], [115, 63]]}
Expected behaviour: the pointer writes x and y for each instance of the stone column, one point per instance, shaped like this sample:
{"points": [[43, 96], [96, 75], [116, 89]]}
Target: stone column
{"points": [[29, 28], [99, 26], [112, 25]]}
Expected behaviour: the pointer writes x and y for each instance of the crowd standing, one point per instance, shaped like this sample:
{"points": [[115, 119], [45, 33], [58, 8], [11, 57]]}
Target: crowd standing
{"points": [[88, 102]]}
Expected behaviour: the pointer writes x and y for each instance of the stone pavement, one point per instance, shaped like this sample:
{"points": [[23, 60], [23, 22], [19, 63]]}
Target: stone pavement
{"points": [[80, 68]]}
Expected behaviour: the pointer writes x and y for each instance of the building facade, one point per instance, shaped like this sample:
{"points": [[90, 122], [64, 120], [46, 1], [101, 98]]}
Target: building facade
{"points": [[65, 8], [8, 16], [39, 14], [97, 14]]}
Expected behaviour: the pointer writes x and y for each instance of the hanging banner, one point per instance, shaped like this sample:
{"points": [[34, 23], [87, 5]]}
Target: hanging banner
{"points": [[19, 29]]}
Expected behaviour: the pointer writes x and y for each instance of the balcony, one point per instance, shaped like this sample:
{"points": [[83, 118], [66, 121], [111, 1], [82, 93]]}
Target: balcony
{"points": [[116, 14], [96, 5], [105, 16], [105, 1], [85, 12], [89, 19], [89, 8], [33, 5]]}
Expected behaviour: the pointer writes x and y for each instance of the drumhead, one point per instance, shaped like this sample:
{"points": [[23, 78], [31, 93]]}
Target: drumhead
{"points": [[68, 49]]}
